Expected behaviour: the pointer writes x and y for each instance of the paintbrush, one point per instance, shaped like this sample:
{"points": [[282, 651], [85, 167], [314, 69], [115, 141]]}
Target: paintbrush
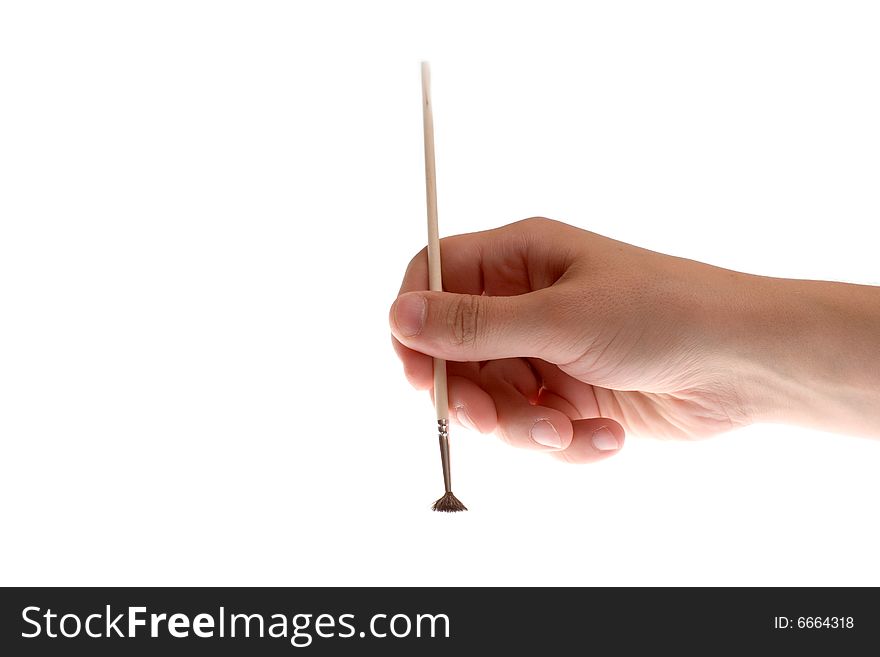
{"points": [[448, 502]]}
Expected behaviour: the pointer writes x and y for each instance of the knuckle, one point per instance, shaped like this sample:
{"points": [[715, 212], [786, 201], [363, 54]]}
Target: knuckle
{"points": [[465, 320], [538, 223]]}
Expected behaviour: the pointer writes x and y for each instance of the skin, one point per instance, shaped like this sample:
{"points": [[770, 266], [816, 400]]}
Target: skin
{"points": [[564, 341]]}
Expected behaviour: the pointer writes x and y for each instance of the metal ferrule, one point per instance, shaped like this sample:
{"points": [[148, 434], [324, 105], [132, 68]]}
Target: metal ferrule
{"points": [[443, 430]]}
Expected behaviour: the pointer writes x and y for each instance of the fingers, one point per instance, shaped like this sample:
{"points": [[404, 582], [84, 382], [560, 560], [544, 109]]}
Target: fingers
{"points": [[520, 422], [513, 259], [593, 440], [543, 420], [579, 395], [507, 400], [499, 298], [471, 406], [461, 263], [418, 367]]}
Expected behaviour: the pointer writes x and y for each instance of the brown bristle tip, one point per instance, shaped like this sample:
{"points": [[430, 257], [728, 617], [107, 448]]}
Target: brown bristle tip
{"points": [[449, 503]]}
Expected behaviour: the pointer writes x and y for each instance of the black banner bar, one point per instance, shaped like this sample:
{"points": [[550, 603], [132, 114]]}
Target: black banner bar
{"points": [[428, 621]]}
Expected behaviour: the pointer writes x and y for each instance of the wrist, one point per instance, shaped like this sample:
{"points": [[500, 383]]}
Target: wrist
{"points": [[803, 352], [762, 322]]}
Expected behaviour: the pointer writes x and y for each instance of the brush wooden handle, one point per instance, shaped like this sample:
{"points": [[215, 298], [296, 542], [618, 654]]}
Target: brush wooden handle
{"points": [[435, 278]]}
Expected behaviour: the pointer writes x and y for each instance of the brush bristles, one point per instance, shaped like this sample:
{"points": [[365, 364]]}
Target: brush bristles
{"points": [[449, 503]]}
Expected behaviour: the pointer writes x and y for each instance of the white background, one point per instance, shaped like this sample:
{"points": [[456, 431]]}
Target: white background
{"points": [[205, 212]]}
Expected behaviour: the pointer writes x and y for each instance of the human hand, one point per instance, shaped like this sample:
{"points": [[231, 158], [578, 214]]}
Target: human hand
{"points": [[555, 337]]}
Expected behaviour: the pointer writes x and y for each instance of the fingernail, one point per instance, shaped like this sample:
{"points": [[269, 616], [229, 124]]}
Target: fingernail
{"points": [[604, 440], [409, 314], [545, 434], [464, 419]]}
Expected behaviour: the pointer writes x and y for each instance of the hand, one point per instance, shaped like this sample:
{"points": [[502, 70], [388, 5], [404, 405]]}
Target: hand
{"points": [[558, 338]]}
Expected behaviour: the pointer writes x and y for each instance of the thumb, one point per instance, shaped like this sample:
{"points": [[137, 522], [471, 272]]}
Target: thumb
{"points": [[469, 327]]}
